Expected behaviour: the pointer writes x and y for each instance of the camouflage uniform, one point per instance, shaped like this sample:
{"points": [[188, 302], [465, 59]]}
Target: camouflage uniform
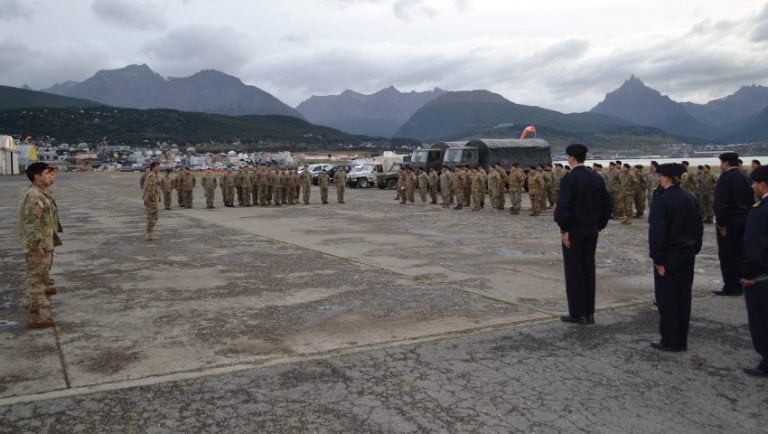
{"points": [[306, 185], [177, 186], [239, 186], [547, 176], [277, 188], [209, 183], [37, 232], [445, 187], [151, 199], [409, 185], [652, 182], [639, 195], [340, 178], [246, 187], [228, 188], [291, 184], [613, 184], [626, 194], [254, 186], [400, 183], [187, 182], [466, 199], [433, 181], [690, 182], [557, 176], [423, 185], [501, 188], [478, 190], [493, 188], [166, 185], [536, 185], [707, 184], [323, 180], [457, 180], [516, 185], [262, 183]]}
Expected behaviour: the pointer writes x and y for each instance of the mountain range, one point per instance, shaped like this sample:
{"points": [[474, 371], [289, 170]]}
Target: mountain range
{"points": [[209, 91], [378, 114], [633, 109]]}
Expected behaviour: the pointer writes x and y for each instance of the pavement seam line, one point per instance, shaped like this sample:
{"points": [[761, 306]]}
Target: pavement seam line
{"points": [[62, 359]]}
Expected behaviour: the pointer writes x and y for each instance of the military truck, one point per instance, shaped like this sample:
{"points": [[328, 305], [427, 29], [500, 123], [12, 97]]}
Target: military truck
{"points": [[484, 152], [427, 158], [388, 179]]}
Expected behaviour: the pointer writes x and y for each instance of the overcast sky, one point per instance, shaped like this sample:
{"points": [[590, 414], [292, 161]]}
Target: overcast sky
{"points": [[559, 54]]}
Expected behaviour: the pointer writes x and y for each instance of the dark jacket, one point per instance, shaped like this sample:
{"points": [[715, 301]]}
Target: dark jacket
{"points": [[755, 260], [733, 196], [583, 203], [675, 229]]}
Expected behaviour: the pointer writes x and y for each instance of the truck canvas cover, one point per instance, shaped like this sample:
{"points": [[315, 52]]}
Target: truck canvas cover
{"points": [[507, 151]]}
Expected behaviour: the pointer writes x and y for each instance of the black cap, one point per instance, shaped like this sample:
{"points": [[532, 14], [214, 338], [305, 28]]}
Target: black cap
{"points": [[728, 156], [671, 169], [576, 149], [760, 174]]}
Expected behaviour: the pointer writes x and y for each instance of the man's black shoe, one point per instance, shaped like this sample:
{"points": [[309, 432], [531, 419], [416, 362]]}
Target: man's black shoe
{"points": [[659, 346], [755, 372], [590, 319], [725, 293], [583, 320]]}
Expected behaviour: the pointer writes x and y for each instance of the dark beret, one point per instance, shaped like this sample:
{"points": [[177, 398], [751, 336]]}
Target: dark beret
{"points": [[760, 174], [36, 167], [671, 169], [576, 149], [728, 156]]}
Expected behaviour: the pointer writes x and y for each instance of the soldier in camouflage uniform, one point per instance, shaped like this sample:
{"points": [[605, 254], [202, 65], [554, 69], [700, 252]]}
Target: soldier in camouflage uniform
{"points": [[151, 199], [423, 181], [557, 175], [613, 184], [502, 187], [38, 223], [246, 187], [187, 182], [458, 187], [408, 185], [340, 178], [445, 186], [400, 183], [277, 188], [323, 180], [433, 181], [209, 184], [291, 185], [467, 197], [707, 183], [254, 185], [536, 186], [306, 184], [652, 182], [640, 188], [627, 187], [228, 187], [239, 185], [690, 181], [516, 186], [167, 183], [478, 189], [550, 177], [177, 186], [493, 187]]}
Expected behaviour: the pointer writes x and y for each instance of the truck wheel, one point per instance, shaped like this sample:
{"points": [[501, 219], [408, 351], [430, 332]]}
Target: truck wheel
{"points": [[391, 184], [362, 183]]}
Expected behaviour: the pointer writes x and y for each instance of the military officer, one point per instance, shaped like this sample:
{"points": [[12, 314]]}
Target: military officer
{"points": [[445, 186], [228, 187], [627, 183], [433, 182], [458, 187], [306, 185], [37, 232], [583, 210], [641, 181], [516, 186], [167, 182], [340, 178], [187, 182], [151, 199], [733, 199], [209, 183], [754, 270], [536, 186], [277, 188], [674, 239]]}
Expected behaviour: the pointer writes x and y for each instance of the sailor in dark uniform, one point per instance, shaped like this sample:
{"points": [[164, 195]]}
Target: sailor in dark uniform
{"points": [[754, 269], [583, 209], [733, 199], [674, 238]]}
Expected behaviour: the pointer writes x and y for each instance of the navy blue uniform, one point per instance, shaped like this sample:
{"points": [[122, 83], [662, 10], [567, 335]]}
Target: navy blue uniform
{"points": [[674, 239], [754, 264], [583, 210], [733, 199]]}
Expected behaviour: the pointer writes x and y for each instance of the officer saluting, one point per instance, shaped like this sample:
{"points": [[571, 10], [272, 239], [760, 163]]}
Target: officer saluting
{"points": [[583, 209], [674, 237], [733, 199], [754, 266]]}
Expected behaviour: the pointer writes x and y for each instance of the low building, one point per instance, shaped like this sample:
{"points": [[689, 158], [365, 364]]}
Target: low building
{"points": [[9, 156], [28, 154]]}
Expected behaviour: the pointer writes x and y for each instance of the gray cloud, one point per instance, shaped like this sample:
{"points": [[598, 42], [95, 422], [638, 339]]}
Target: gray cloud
{"points": [[130, 15], [409, 9], [760, 32], [15, 10], [189, 49]]}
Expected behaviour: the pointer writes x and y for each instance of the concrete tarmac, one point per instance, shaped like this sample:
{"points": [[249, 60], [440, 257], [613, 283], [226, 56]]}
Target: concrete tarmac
{"points": [[363, 316]]}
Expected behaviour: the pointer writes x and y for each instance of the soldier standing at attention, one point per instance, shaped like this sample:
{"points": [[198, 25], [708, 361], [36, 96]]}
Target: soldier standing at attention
{"points": [[239, 186], [674, 240], [445, 187], [652, 182], [639, 195], [544, 175], [37, 231], [166, 185], [340, 178], [177, 186], [733, 199], [297, 189], [209, 183], [400, 183], [478, 189], [228, 187], [458, 187], [433, 181], [291, 185], [535, 190], [306, 184], [626, 193], [468, 175], [151, 199], [516, 185], [254, 185], [583, 210], [423, 185], [493, 187], [707, 183], [187, 182], [324, 181], [245, 187], [754, 265], [277, 188], [262, 183]]}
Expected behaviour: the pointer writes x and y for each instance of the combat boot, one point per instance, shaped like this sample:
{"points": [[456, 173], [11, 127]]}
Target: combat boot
{"points": [[51, 291], [51, 281], [38, 321]]}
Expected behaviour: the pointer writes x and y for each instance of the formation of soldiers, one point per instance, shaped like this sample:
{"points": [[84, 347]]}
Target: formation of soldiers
{"points": [[250, 186], [467, 187]]}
